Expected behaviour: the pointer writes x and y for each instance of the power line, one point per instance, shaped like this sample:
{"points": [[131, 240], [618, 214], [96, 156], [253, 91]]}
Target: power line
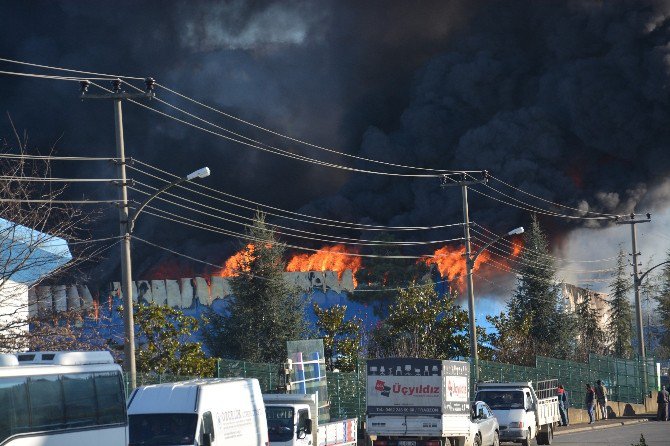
{"points": [[360, 158], [534, 264], [55, 158], [281, 152], [548, 201], [155, 245], [69, 70], [535, 209], [331, 223], [45, 76], [336, 239], [80, 242], [58, 180], [20, 200], [196, 224], [512, 245]]}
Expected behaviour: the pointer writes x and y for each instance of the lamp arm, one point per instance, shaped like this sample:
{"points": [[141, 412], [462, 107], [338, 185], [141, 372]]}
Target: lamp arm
{"points": [[483, 248], [639, 281], [131, 220]]}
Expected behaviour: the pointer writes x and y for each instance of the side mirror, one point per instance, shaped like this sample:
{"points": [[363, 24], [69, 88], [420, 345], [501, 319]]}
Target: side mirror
{"points": [[207, 439], [308, 426]]}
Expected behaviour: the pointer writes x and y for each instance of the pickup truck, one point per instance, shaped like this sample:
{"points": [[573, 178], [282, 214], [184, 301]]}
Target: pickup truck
{"points": [[293, 421], [523, 413]]}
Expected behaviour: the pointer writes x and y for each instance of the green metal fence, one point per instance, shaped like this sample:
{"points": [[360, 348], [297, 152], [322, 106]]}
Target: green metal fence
{"points": [[266, 374], [622, 377]]}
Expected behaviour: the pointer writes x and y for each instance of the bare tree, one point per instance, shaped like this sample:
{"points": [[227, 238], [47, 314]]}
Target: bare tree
{"points": [[35, 220]]}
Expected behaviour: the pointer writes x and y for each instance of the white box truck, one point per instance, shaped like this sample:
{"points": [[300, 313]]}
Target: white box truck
{"points": [[418, 402], [293, 421], [523, 413], [204, 412]]}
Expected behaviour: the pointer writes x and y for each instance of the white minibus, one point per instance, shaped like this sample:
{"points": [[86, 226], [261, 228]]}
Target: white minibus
{"points": [[61, 399]]}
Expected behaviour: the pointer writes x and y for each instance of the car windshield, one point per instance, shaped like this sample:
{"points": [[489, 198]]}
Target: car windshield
{"points": [[280, 423], [502, 399], [162, 429]]}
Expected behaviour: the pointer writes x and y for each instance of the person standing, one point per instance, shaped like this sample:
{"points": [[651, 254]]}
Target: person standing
{"points": [[601, 397], [662, 399], [563, 405], [590, 402]]}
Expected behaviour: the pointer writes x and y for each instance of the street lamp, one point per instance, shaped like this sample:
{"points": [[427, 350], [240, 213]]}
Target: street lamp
{"points": [[470, 264], [127, 278]]}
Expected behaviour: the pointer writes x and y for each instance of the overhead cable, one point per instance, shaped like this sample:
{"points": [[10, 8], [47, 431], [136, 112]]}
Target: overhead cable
{"points": [[315, 146], [330, 222], [549, 201], [196, 224], [68, 70], [511, 244], [356, 241]]}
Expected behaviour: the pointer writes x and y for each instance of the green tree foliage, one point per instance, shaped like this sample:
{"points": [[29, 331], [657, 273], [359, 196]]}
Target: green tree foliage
{"points": [[663, 299], [163, 335], [422, 324], [264, 311], [590, 337], [511, 340], [341, 338], [620, 330], [537, 296], [386, 273]]}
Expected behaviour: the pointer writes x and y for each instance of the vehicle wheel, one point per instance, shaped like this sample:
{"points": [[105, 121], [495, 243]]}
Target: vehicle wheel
{"points": [[496, 439], [478, 440], [542, 438], [526, 441]]}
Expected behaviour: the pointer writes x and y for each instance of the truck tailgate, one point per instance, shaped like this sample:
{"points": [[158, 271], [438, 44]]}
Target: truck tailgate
{"points": [[338, 433], [547, 411]]}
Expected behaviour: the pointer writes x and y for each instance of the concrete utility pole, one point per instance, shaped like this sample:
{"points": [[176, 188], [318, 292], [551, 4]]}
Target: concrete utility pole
{"points": [[463, 181], [636, 279], [117, 95]]}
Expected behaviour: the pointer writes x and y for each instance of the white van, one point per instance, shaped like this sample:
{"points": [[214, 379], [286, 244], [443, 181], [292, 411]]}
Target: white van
{"points": [[204, 412]]}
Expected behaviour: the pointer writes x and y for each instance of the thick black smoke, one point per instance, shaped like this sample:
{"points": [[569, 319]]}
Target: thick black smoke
{"points": [[568, 100]]}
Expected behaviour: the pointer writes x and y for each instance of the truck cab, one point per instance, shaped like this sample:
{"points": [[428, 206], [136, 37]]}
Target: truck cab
{"points": [[293, 421], [521, 414], [289, 424]]}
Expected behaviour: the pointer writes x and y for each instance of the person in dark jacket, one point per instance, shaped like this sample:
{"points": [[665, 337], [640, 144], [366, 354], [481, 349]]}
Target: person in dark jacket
{"points": [[563, 405], [590, 403], [662, 399]]}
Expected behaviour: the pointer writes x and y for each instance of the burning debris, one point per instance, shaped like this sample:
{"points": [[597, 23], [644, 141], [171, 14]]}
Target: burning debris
{"points": [[328, 258]]}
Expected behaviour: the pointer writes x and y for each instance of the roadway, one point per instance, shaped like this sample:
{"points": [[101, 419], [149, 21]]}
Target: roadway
{"points": [[655, 434]]}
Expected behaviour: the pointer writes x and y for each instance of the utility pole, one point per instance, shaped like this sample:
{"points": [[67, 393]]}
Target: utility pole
{"points": [[463, 181], [636, 286], [636, 279], [117, 96]]}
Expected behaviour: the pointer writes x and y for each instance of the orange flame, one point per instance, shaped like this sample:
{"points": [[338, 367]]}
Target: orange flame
{"points": [[450, 262], [238, 262], [328, 258], [517, 246]]}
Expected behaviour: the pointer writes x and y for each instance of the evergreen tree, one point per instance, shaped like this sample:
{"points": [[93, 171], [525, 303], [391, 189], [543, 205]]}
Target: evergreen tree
{"points": [[591, 338], [537, 296], [663, 299], [264, 311], [620, 330]]}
